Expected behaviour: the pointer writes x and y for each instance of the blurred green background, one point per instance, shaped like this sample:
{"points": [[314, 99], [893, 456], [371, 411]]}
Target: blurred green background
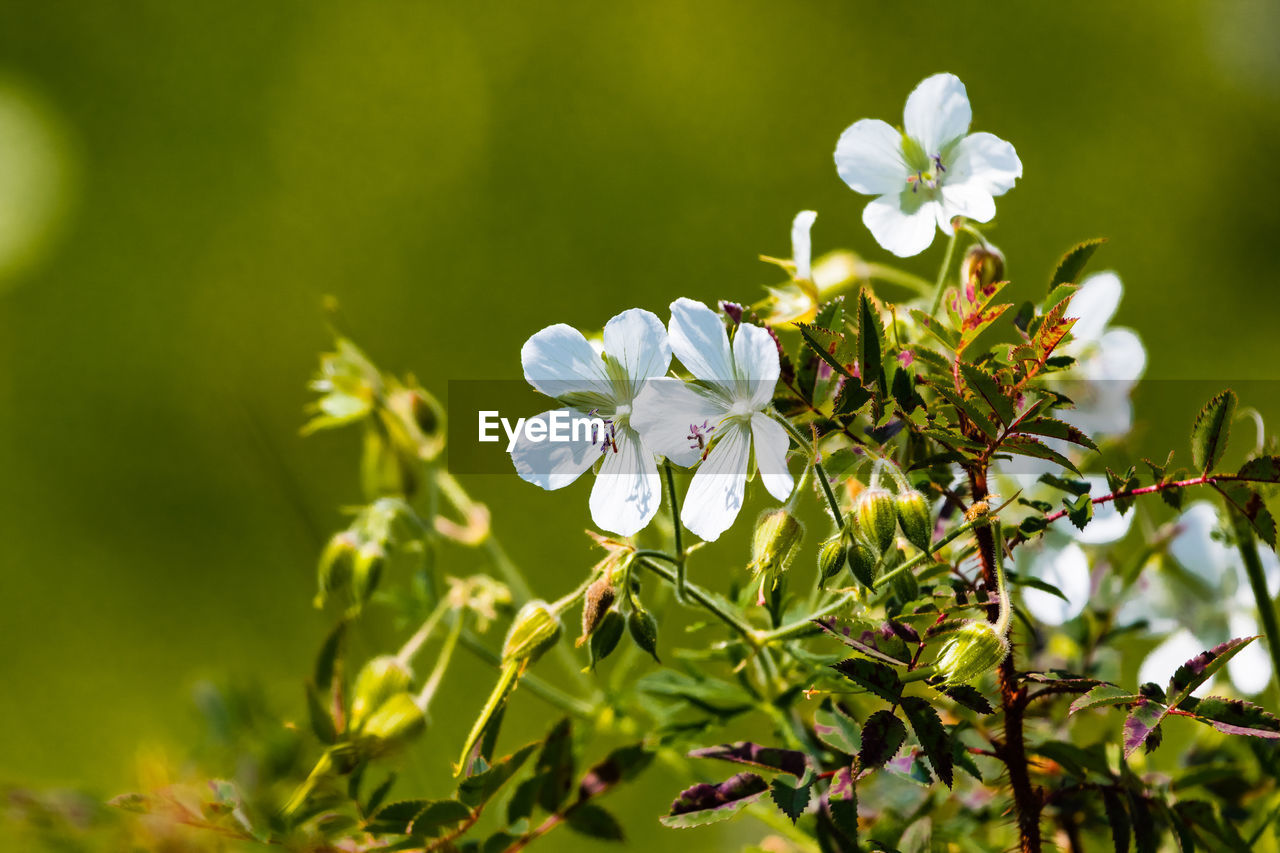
{"points": [[182, 183]]}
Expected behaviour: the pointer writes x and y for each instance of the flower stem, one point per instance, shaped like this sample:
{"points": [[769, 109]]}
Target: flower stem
{"points": [[1002, 590], [830, 495], [704, 598], [442, 662], [805, 625], [941, 284], [535, 685], [414, 644], [1248, 546], [676, 533]]}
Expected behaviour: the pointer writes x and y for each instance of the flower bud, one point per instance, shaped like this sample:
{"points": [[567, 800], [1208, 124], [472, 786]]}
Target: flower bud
{"points": [[595, 606], [775, 542], [831, 557], [397, 721], [336, 566], [974, 650], [423, 421], [982, 265], [913, 515], [605, 637], [644, 630], [862, 560], [534, 630], [877, 517], [366, 570], [379, 679]]}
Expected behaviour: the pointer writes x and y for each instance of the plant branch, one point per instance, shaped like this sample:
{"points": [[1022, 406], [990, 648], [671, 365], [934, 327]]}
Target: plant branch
{"points": [[676, 532], [705, 599]]}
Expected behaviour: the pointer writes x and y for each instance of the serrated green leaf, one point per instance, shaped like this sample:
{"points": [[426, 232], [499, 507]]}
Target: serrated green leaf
{"points": [[705, 803], [790, 799], [555, 766], [594, 821], [1118, 484], [1261, 469], [1211, 430], [1247, 504], [1024, 445], [932, 736], [873, 676], [1079, 511], [989, 391], [882, 736], [1054, 428], [1104, 695], [870, 343], [837, 730], [1202, 667], [1117, 819], [1073, 262], [476, 790], [745, 752]]}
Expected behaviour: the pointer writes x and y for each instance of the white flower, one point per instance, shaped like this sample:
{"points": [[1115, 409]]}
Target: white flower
{"points": [[1109, 361], [801, 244], [1062, 563], [560, 363], [931, 173], [715, 421]]}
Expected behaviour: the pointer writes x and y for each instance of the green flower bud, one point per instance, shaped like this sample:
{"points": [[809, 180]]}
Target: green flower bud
{"points": [[862, 560], [366, 570], [605, 637], [877, 517], [336, 567], [974, 650], [422, 420], [379, 680], [396, 721], [982, 265], [534, 630], [644, 630], [831, 557], [595, 606], [913, 515], [775, 542]]}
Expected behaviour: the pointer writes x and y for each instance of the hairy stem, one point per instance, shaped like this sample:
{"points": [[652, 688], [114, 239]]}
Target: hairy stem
{"points": [[705, 599], [1027, 801], [941, 284], [677, 534]]}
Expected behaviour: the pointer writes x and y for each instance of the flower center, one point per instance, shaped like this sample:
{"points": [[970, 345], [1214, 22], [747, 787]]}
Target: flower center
{"points": [[699, 437], [930, 176]]}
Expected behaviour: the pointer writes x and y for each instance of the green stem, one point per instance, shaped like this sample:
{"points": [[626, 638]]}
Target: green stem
{"points": [[544, 691], [414, 644], [940, 286], [675, 526], [704, 598], [442, 662], [899, 277], [806, 626], [1002, 588], [1248, 546], [826, 490]]}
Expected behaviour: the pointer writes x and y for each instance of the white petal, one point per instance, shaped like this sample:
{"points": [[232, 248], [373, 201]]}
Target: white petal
{"points": [[904, 232], [715, 495], [937, 112], [1165, 659], [1250, 669], [637, 340], [1094, 304], [699, 340], [1120, 358], [1065, 567], [558, 361], [756, 365], [969, 199], [869, 157], [627, 492], [1107, 525], [986, 159], [1197, 550], [801, 244], [771, 442], [553, 464], [665, 413]]}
